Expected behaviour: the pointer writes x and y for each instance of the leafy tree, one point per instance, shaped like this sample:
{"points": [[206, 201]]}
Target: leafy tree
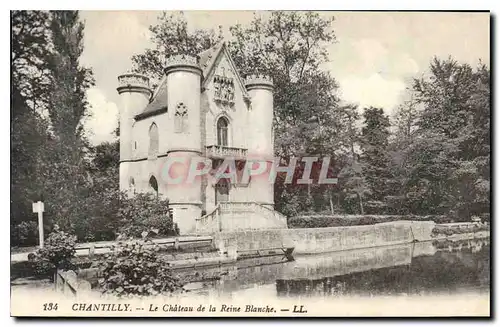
{"points": [[106, 156], [103, 197], [405, 120], [169, 36], [28, 137], [449, 157], [353, 184], [445, 95], [48, 104], [430, 167], [401, 139], [24, 234], [66, 180], [478, 146], [30, 48], [290, 47], [68, 103], [374, 142]]}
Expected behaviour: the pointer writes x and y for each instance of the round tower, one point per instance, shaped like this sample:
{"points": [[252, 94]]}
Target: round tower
{"points": [[260, 89], [260, 138], [135, 93], [183, 75]]}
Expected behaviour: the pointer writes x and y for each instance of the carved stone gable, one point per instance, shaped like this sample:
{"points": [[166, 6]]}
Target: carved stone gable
{"points": [[224, 80]]}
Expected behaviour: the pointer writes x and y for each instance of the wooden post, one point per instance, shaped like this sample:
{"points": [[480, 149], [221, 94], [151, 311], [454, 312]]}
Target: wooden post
{"points": [[38, 207]]}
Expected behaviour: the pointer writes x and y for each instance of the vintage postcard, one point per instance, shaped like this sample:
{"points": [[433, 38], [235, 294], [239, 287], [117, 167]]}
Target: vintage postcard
{"points": [[250, 164]]}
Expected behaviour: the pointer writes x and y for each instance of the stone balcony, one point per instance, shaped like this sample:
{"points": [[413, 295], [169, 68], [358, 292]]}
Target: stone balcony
{"points": [[221, 152]]}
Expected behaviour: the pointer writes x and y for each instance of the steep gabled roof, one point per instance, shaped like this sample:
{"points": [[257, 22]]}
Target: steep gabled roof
{"points": [[208, 57], [159, 101], [218, 51]]}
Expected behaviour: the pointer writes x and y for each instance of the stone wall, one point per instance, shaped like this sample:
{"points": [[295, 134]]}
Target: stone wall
{"points": [[319, 240], [348, 262]]}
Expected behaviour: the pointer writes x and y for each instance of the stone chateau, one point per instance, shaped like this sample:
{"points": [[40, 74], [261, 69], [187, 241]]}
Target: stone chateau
{"points": [[201, 108]]}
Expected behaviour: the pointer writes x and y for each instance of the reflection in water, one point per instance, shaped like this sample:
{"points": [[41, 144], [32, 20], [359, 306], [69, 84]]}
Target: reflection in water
{"points": [[419, 268]]}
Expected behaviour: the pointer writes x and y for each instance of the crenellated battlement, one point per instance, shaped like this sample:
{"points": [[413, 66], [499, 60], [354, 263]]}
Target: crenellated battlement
{"points": [[133, 79], [258, 80], [133, 82], [182, 61]]}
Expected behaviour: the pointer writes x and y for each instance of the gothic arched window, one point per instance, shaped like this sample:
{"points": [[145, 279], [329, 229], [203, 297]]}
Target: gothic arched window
{"points": [[153, 185], [222, 131], [181, 118], [153, 141], [132, 185]]}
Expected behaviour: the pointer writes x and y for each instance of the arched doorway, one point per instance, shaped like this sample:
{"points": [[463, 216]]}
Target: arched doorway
{"points": [[222, 191], [153, 185]]}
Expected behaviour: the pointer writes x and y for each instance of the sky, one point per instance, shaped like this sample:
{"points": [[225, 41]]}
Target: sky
{"points": [[375, 56]]}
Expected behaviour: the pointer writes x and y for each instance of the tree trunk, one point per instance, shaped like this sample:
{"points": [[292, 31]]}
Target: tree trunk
{"points": [[361, 204], [331, 202]]}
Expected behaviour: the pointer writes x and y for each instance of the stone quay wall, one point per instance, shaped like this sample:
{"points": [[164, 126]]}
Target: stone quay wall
{"points": [[320, 240]]}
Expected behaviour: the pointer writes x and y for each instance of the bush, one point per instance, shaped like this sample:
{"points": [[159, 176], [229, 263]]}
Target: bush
{"points": [[485, 217], [24, 234], [145, 212], [113, 213], [376, 207], [58, 250], [320, 221], [133, 268]]}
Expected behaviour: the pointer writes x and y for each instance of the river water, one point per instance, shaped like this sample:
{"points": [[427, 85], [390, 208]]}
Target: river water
{"points": [[428, 268]]}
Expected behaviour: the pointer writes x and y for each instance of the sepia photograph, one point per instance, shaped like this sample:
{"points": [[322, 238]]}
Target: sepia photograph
{"points": [[250, 163]]}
